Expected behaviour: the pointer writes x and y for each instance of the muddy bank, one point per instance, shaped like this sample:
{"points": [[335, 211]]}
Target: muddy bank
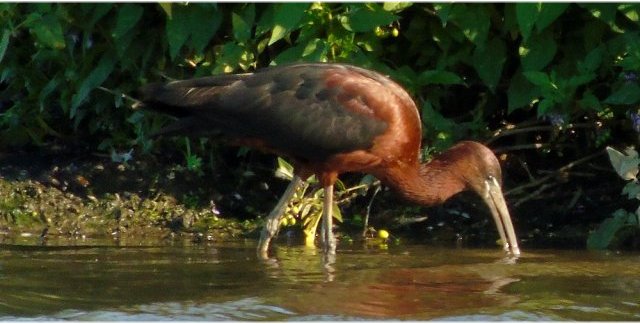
{"points": [[67, 193], [49, 194]]}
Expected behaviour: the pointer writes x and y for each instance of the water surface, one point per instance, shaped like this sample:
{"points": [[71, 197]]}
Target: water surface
{"points": [[225, 281]]}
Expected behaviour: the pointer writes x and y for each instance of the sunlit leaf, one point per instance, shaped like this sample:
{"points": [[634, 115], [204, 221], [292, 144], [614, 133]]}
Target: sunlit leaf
{"points": [[284, 170], [626, 165], [166, 7], [396, 6], [365, 18]]}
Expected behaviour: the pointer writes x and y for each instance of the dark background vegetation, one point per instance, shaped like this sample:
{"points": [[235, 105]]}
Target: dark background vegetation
{"points": [[547, 86]]}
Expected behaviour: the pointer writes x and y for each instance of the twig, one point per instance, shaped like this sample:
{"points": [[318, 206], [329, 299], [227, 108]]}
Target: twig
{"points": [[555, 173], [520, 147], [123, 95], [534, 194], [512, 130]]}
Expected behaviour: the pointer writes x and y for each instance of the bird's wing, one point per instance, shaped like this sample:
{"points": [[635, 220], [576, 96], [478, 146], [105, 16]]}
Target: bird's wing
{"points": [[291, 109]]}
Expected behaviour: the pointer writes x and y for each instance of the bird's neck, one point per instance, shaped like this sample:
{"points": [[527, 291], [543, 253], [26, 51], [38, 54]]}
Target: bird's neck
{"points": [[426, 184]]}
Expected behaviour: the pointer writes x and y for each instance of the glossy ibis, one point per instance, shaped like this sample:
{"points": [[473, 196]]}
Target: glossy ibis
{"points": [[330, 119]]}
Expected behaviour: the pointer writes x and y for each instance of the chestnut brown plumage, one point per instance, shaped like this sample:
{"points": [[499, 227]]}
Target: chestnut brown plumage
{"points": [[330, 119]]}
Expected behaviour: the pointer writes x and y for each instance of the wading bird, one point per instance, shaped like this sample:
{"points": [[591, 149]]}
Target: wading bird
{"points": [[330, 119]]}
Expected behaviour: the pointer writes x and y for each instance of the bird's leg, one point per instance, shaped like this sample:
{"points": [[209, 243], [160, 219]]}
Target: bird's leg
{"points": [[272, 223], [328, 240]]}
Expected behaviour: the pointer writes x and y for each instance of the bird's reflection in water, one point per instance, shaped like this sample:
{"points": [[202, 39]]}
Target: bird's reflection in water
{"points": [[397, 293], [360, 288]]}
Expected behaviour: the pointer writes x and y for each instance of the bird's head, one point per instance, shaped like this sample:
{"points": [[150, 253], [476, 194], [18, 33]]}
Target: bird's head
{"points": [[477, 168]]}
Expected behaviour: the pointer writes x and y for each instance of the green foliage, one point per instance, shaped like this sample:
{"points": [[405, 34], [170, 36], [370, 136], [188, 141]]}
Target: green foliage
{"points": [[609, 231], [68, 70], [58, 60]]}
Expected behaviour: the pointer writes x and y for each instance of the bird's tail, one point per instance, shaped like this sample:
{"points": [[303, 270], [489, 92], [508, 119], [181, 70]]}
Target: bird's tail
{"points": [[185, 100]]}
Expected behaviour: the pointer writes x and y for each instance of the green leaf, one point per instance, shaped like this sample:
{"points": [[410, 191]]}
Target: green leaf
{"points": [[549, 12], [628, 94], [166, 7], [443, 10], [290, 55], [626, 165], [196, 22], [396, 6], [590, 102], [602, 237], [243, 22], [527, 14], [46, 91], [489, 60], [632, 190], [521, 92], [98, 10], [545, 106], [473, 20], [631, 11], [204, 22], [439, 77], [540, 79], [365, 18], [631, 61], [4, 43], [95, 79], [315, 50], [603, 11], [128, 16], [265, 23], [177, 30], [592, 61], [48, 31], [580, 79], [537, 52], [284, 170], [286, 18]]}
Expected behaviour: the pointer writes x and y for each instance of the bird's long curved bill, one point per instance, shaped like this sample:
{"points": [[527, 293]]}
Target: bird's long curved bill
{"points": [[495, 200]]}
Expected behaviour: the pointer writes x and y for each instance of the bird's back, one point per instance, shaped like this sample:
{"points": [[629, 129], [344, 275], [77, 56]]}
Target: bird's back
{"points": [[307, 111]]}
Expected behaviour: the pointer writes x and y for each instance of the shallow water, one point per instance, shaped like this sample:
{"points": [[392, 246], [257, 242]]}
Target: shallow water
{"points": [[88, 282]]}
